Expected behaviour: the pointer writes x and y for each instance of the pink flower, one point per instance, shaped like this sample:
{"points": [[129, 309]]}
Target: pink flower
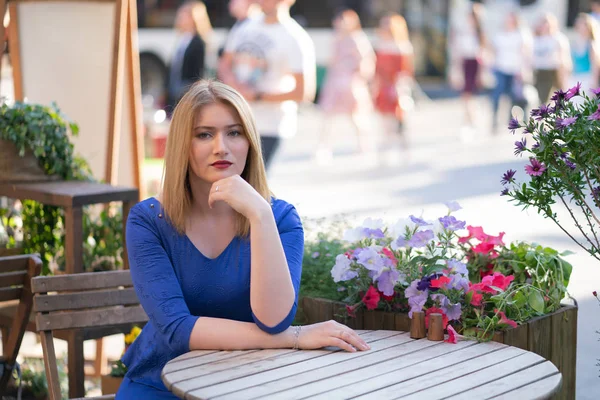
{"points": [[371, 298], [452, 335], [388, 253], [474, 232], [536, 168], [483, 248], [504, 320], [440, 283], [351, 310], [595, 116], [498, 280]]}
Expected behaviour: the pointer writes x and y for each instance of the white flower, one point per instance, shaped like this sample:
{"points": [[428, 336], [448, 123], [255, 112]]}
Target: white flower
{"points": [[453, 206], [373, 223], [341, 270], [399, 228]]}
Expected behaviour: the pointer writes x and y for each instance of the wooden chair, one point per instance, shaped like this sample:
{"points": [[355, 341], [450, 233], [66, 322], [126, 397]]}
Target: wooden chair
{"points": [[15, 285], [78, 301]]}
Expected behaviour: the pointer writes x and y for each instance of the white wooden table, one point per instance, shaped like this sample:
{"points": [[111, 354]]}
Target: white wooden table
{"points": [[395, 367]]}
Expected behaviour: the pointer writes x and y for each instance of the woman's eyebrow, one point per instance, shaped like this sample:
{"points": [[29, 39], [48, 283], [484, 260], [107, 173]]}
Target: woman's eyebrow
{"points": [[212, 127]]}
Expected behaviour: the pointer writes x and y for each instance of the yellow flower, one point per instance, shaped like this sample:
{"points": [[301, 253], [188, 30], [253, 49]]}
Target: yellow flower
{"points": [[135, 331]]}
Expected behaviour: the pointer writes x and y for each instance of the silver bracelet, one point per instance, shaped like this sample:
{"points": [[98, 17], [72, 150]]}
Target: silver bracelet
{"points": [[296, 336]]}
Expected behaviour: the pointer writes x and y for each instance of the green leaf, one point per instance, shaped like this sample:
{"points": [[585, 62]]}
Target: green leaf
{"points": [[536, 301]]}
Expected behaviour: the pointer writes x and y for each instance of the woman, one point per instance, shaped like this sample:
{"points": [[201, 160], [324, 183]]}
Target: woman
{"points": [[551, 57], [187, 66], [215, 260], [346, 88], [393, 75], [585, 53], [512, 64], [468, 45]]}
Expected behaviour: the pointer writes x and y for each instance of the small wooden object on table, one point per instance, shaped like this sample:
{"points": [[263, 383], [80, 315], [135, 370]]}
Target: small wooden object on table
{"points": [[72, 196], [435, 331], [417, 325]]}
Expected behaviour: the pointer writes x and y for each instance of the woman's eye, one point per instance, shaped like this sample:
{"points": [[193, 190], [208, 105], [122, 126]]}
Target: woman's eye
{"points": [[203, 135], [235, 133]]}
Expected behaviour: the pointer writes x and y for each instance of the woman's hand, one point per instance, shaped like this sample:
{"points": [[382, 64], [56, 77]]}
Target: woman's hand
{"points": [[240, 196], [330, 333]]}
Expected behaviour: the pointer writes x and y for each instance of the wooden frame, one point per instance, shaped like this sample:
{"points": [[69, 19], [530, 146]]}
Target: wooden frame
{"points": [[124, 77], [16, 273], [95, 299]]}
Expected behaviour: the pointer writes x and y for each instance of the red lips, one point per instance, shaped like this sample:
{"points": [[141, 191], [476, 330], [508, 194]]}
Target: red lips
{"points": [[221, 164]]}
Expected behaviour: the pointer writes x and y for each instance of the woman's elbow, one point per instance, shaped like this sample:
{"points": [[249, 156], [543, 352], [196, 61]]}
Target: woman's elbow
{"points": [[279, 327]]}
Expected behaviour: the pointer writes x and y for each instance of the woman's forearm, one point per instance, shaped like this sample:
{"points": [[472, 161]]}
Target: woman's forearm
{"points": [[271, 290], [225, 334]]}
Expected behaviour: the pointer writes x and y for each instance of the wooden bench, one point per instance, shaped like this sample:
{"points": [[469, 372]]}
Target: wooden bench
{"points": [[16, 273], [82, 301]]}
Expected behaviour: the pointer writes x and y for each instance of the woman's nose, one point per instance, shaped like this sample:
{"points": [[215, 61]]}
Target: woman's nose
{"points": [[220, 144]]}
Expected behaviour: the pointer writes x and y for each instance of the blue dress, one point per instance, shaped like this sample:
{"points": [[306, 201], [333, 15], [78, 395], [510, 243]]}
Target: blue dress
{"points": [[177, 284]]}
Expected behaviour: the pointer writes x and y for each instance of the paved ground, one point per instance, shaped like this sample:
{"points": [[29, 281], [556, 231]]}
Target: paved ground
{"points": [[442, 162]]}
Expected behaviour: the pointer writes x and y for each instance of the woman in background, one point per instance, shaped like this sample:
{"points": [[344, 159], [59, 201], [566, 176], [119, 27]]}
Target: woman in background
{"points": [[551, 57], [187, 65], [393, 76], [468, 48], [585, 52], [346, 88]]}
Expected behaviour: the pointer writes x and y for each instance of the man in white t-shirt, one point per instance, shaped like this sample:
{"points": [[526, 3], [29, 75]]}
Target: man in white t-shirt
{"points": [[268, 60]]}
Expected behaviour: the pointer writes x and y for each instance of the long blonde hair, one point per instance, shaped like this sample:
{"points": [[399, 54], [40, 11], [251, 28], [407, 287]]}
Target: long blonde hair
{"points": [[176, 196]]}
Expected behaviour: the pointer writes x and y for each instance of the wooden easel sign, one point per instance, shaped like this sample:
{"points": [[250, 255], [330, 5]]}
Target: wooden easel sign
{"points": [[83, 55]]}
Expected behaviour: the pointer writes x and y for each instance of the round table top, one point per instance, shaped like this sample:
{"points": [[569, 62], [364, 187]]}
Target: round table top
{"points": [[396, 366]]}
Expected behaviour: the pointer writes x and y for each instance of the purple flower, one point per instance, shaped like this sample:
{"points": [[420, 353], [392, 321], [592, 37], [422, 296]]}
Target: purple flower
{"points": [[387, 280], [574, 91], [341, 270], [453, 311], [596, 91], [457, 267], [400, 242], [508, 177], [596, 115], [421, 239], [520, 146], [558, 96], [504, 192], [513, 125], [535, 146], [453, 206], [419, 221], [563, 123], [370, 259], [373, 233], [570, 164], [451, 223], [540, 113], [536, 168], [315, 254], [416, 298], [459, 282], [596, 195]]}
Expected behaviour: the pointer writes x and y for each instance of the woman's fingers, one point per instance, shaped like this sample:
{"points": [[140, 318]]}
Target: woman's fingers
{"points": [[352, 338], [342, 344]]}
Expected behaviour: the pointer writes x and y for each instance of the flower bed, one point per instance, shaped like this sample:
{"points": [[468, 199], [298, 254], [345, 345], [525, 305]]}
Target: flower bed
{"points": [[484, 288]]}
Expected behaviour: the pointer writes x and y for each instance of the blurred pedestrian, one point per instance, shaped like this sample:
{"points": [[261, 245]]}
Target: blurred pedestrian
{"points": [[187, 65], [551, 57], [512, 51], [266, 62], [345, 91], [585, 52], [393, 77], [467, 48]]}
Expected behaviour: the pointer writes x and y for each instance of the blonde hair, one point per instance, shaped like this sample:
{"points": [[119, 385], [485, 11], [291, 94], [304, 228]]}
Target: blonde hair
{"points": [[176, 196], [200, 18], [592, 26], [398, 28]]}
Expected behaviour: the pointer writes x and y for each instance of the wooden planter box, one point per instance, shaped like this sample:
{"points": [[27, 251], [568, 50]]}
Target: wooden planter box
{"points": [[552, 336], [110, 384], [14, 168]]}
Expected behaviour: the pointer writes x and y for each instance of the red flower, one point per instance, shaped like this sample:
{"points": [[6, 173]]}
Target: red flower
{"points": [[371, 299], [483, 248], [351, 310], [504, 320], [474, 232], [432, 310], [388, 253], [595, 293], [452, 335], [498, 280], [386, 298], [440, 283]]}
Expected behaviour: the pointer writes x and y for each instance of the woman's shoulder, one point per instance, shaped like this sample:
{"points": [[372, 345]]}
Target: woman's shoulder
{"points": [[147, 210], [284, 212]]}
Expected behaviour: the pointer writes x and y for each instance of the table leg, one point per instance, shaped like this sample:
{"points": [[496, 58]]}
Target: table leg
{"points": [[127, 205], [74, 239], [75, 364]]}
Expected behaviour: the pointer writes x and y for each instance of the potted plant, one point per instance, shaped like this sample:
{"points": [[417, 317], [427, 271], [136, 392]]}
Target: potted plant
{"points": [[110, 383], [484, 289], [42, 132]]}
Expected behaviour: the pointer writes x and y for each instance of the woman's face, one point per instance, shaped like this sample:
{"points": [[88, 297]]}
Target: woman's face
{"points": [[581, 27], [184, 21], [219, 147], [511, 22]]}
